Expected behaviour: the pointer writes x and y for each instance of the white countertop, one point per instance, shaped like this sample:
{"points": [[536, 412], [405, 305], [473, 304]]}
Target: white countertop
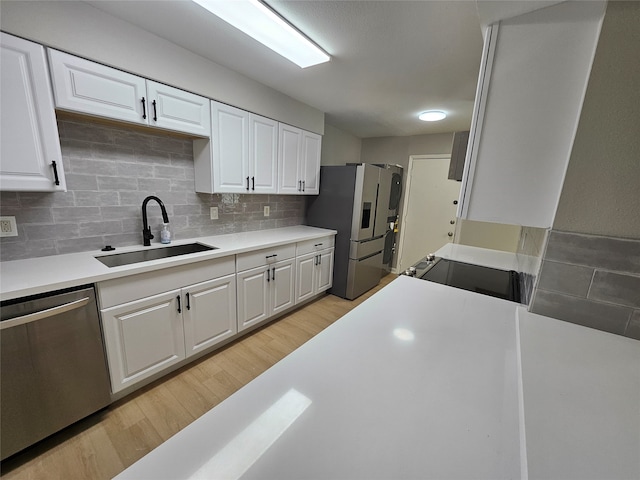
{"points": [[479, 256], [423, 381], [19, 278]]}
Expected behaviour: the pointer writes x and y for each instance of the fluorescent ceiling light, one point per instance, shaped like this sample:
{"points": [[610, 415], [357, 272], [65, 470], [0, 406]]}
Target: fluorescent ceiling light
{"points": [[261, 23], [432, 116]]}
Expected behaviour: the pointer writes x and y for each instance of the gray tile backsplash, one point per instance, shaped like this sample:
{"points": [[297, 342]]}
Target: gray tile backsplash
{"points": [[109, 171], [592, 281]]}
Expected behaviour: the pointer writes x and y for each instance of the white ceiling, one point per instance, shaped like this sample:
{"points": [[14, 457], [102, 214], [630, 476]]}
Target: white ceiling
{"points": [[390, 59]]}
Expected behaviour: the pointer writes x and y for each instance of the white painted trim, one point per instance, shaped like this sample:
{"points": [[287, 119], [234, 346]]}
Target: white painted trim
{"points": [[482, 90], [405, 199]]}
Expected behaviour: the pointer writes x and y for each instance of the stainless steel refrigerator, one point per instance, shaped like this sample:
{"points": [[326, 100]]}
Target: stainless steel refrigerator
{"points": [[354, 200]]}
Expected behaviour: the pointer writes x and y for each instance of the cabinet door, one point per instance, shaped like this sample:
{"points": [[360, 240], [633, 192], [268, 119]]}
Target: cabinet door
{"points": [[310, 164], [88, 87], [142, 338], [177, 110], [263, 154], [289, 154], [253, 297], [325, 271], [28, 127], [209, 313], [282, 286], [230, 132], [306, 276]]}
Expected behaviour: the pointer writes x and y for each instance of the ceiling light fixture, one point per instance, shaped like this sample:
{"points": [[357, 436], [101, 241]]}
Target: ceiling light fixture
{"points": [[261, 23], [432, 115]]}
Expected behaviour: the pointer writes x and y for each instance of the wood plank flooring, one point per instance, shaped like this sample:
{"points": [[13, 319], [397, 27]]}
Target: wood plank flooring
{"points": [[107, 442]]}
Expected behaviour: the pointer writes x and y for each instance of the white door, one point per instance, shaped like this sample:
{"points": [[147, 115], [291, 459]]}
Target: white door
{"points": [[253, 297], [325, 270], [28, 127], [428, 210], [282, 286], [310, 165], [306, 276], [289, 154], [177, 110], [263, 154], [209, 313], [143, 337], [230, 139], [83, 86]]}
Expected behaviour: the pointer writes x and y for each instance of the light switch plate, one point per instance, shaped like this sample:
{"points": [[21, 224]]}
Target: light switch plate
{"points": [[267, 210], [214, 213], [8, 227]]}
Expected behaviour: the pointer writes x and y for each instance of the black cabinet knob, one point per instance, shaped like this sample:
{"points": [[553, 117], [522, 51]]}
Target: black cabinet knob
{"points": [[455, 202]]}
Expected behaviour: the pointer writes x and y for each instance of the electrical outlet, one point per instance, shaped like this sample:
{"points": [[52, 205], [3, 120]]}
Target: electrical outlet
{"points": [[214, 213], [267, 210], [8, 227]]}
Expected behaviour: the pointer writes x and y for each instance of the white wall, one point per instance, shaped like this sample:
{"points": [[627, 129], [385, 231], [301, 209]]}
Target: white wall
{"points": [[83, 30], [601, 191], [339, 147], [396, 150]]}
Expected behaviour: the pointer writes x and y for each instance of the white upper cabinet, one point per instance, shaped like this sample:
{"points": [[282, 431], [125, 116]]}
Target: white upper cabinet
{"points": [[244, 153], [263, 154], [298, 161], [533, 78], [230, 144], [80, 85], [30, 146], [175, 109]]}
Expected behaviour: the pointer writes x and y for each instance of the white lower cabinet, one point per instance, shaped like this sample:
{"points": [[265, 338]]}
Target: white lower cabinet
{"points": [[145, 336], [142, 338], [314, 274], [264, 292], [209, 313]]}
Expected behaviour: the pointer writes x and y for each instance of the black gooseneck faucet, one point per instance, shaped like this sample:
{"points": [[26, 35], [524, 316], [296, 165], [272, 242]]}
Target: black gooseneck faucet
{"points": [[146, 230]]}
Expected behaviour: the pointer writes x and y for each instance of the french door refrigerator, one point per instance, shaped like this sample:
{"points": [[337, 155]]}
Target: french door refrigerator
{"points": [[353, 200]]}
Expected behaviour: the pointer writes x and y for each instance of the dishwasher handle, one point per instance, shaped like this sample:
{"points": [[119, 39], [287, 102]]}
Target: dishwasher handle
{"points": [[49, 312]]}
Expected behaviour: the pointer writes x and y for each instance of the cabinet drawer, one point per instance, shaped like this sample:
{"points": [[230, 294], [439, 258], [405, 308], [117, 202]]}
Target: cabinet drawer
{"points": [[310, 246], [122, 290], [245, 261]]}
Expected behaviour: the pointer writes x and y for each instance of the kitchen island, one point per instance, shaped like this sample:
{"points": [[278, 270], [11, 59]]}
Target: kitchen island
{"points": [[426, 381]]}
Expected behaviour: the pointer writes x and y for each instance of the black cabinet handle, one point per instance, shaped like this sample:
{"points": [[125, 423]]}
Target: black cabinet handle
{"points": [[299, 185], [247, 183], [455, 202], [303, 185], [268, 272], [144, 109], [56, 179], [315, 260], [179, 306], [253, 183], [319, 259], [155, 112], [273, 273], [318, 245], [188, 301]]}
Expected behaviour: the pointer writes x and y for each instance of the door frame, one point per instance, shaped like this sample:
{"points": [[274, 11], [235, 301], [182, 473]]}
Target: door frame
{"points": [[405, 201]]}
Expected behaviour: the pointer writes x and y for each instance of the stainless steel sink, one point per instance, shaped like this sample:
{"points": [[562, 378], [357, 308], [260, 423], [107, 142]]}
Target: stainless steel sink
{"points": [[119, 259]]}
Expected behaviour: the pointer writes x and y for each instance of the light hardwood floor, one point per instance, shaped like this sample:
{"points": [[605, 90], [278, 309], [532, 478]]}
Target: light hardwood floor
{"points": [[104, 444]]}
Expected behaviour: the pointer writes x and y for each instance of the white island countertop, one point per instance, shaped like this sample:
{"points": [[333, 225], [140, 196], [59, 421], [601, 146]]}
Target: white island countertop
{"points": [[19, 278], [424, 381]]}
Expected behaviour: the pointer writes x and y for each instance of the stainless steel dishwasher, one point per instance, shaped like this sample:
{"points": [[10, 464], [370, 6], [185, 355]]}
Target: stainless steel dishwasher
{"points": [[53, 367]]}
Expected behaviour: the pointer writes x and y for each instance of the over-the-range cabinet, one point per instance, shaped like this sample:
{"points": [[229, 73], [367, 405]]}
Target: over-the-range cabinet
{"points": [[354, 200]]}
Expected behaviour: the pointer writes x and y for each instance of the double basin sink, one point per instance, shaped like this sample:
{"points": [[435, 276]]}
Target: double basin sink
{"points": [[127, 258]]}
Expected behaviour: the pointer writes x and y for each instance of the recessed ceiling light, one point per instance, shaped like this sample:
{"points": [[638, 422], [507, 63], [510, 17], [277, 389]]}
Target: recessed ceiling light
{"points": [[262, 24], [432, 116]]}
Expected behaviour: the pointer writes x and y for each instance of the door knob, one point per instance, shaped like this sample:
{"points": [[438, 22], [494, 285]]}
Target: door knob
{"points": [[450, 234]]}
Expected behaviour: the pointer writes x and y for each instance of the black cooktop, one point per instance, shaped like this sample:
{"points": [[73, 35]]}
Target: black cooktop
{"points": [[475, 278]]}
